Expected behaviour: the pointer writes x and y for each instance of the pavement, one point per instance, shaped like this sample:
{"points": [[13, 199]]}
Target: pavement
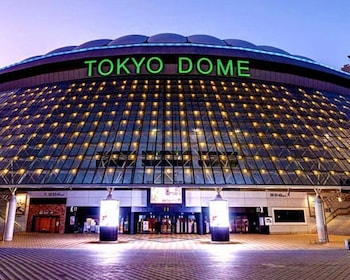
{"points": [[173, 256]]}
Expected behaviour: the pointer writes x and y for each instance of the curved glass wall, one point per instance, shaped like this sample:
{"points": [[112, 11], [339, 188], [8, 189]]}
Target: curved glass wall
{"points": [[173, 130]]}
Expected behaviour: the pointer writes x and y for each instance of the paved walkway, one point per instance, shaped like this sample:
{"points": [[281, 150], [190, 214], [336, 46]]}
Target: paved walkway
{"points": [[33, 256], [175, 241]]}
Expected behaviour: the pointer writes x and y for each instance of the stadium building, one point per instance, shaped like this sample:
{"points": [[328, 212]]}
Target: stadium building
{"points": [[162, 123]]}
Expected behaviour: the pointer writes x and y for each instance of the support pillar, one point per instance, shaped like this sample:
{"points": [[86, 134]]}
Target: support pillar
{"points": [[10, 218], [200, 223], [320, 220], [132, 223]]}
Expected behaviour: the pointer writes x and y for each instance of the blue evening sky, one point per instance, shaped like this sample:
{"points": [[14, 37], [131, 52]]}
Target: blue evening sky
{"points": [[317, 29]]}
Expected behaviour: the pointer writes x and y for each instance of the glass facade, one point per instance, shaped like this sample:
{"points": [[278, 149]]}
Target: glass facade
{"points": [[173, 130]]}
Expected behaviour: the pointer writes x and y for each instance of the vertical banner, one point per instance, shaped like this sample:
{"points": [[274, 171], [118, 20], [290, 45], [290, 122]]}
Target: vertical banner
{"points": [[21, 204]]}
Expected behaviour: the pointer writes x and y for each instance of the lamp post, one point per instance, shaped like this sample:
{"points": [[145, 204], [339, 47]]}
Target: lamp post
{"points": [[219, 218], [109, 218]]}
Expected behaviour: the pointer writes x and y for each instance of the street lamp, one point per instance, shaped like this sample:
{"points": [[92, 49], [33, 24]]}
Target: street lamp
{"points": [[109, 218], [219, 218]]}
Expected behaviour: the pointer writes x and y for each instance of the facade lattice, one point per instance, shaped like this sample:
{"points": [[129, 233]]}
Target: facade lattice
{"points": [[171, 130]]}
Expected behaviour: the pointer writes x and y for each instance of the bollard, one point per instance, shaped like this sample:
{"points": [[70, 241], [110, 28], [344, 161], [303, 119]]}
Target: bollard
{"points": [[347, 244]]}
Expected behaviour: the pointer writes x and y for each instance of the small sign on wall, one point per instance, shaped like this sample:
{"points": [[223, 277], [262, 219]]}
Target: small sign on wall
{"points": [[268, 221], [21, 204]]}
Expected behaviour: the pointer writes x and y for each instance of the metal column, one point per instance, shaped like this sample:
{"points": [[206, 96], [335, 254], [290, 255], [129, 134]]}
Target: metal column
{"points": [[10, 218], [320, 220]]}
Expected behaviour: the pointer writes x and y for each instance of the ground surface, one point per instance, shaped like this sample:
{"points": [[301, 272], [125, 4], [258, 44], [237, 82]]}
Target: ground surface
{"points": [[82, 256]]}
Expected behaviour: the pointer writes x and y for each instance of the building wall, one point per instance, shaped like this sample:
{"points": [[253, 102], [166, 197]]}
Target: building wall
{"points": [[194, 198], [296, 201], [127, 198], [270, 199]]}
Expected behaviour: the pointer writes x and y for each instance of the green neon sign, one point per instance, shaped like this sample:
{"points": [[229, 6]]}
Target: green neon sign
{"points": [[156, 65]]}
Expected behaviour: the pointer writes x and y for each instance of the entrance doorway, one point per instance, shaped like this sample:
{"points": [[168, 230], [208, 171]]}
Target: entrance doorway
{"points": [[240, 224], [166, 223], [49, 224], [245, 220]]}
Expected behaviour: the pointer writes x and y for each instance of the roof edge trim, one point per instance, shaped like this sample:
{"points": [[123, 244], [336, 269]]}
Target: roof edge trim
{"points": [[290, 56]]}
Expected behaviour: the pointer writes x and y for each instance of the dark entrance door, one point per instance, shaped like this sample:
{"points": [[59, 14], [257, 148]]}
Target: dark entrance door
{"points": [[48, 224], [244, 220], [168, 222]]}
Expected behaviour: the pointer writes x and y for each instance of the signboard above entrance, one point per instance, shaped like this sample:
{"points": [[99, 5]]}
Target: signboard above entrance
{"points": [[166, 195]]}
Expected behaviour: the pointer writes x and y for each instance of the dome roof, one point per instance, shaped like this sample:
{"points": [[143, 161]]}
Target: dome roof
{"points": [[240, 43], [167, 38], [173, 38], [241, 47], [93, 44], [272, 49], [63, 49], [129, 39], [205, 39]]}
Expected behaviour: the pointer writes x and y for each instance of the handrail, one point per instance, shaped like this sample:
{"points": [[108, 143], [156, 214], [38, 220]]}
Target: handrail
{"points": [[337, 212], [332, 215]]}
